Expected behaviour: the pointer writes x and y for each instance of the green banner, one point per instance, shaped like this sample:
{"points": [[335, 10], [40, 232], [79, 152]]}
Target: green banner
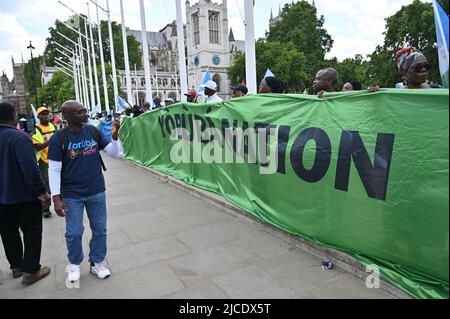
{"points": [[363, 173]]}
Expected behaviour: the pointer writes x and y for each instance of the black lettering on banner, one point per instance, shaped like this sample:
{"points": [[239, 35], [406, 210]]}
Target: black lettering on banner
{"points": [[178, 120], [283, 139], [263, 152], [170, 119], [226, 125], [191, 125], [322, 159], [202, 127], [374, 177]]}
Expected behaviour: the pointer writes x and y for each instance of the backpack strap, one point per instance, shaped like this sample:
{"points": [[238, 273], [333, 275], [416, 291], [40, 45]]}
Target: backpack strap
{"points": [[63, 142], [95, 133]]}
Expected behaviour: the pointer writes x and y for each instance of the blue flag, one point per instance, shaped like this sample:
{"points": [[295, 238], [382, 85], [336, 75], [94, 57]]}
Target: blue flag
{"points": [[121, 104], [96, 109], [441, 20], [206, 78], [268, 73]]}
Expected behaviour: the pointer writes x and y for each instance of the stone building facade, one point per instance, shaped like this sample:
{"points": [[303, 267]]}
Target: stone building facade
{"points": [[14, 91], [209, 43]]}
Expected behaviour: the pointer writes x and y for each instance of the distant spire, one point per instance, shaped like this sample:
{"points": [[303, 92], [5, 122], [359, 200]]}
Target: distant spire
{"points": [[12, 60], [231, 36], [271, 14], [279, 9], [314, 4]]}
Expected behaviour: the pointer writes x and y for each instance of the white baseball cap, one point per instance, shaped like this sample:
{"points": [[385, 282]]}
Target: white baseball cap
{"points": [[210, 85]]}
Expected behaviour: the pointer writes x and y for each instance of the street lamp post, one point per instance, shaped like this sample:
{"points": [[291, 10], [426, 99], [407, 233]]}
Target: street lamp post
{"points": [[33, 75]]}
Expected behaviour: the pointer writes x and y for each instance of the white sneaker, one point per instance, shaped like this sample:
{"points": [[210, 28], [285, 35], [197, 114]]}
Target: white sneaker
{"points": [[73, 272], [100, 270]]}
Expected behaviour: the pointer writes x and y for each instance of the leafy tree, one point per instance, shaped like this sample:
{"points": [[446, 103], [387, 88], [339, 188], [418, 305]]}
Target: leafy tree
{"points": [[412, 25], [57, 90], [28, 75], [350, 69], [109, 84], [134, 51], [301, 27], [285, 61], [51, 52]]}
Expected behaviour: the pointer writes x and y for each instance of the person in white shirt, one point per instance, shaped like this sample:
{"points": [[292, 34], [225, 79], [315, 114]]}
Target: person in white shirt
{"points": [[210, 92]]}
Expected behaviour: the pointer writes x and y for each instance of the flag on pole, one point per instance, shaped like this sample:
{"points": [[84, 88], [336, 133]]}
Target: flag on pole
{"points": [[121, 104], [96, 109], [35, 115], [206, 78], [268, 73], [441, 20]]}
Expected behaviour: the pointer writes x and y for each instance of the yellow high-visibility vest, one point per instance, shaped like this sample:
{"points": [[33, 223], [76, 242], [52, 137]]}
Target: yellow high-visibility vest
{"points": [[38, 136]]}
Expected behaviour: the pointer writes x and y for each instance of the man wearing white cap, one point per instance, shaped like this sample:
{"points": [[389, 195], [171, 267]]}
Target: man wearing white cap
{"points": [[210, 92]]}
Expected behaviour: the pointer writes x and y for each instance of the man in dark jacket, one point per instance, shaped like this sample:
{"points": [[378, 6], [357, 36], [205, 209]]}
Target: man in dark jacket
{"points": [[22, 195]]}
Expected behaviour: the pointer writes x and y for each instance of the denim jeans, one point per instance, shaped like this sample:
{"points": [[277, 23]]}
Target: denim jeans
{"points": [[96, 211]]}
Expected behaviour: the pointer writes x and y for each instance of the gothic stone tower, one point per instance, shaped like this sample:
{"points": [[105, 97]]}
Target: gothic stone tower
{"points": [[14, 91], [208, 44]]}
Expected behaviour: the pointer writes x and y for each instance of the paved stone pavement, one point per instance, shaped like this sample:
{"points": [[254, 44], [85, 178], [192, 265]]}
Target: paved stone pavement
{"points": [[166, 243]]}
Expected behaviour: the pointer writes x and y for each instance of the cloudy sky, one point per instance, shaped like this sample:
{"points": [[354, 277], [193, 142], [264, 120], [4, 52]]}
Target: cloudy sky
{"points": [[355, 25]]}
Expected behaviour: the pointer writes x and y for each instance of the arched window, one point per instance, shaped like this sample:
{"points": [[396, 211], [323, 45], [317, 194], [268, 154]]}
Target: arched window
{"points": [[214, 27], [142, 81], [159, 81], [216, 78], [172, 82], [165, 82], [195, 23], [141, 98]]}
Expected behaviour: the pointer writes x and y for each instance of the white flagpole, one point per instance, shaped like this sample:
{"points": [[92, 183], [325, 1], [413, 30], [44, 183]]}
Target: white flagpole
{"points": [[83, 76], [148, 83], [79, 76], [156, 80], [181, 53], [250, 54], [83, 71], [91, 83], [102, 60], [135, 82], [97, 87], [113, 58], [75, 79], [125, 55]]}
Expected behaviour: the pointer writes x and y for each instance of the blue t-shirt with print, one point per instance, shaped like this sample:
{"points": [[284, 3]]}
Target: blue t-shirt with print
{"points": [[81, 175]]}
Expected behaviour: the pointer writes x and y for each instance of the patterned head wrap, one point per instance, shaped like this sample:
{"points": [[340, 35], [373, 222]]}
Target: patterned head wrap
{"points": [[405, 57]]}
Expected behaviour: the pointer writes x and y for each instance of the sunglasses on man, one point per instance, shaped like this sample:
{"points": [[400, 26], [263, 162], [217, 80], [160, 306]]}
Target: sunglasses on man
{"points": [[81, 112], [419, 67]]}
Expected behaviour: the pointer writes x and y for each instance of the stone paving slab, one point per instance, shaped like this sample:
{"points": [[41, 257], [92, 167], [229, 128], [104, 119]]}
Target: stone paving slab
{"points": [[169, 240]]}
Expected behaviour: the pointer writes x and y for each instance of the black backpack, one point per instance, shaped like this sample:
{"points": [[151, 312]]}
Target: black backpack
{"points": [[63, 141]]}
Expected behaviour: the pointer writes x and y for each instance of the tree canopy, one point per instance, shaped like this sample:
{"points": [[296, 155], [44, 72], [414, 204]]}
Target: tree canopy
{"points": [[51, 52], [412, 25], [285, 61], [300, 32], [300, 26]]}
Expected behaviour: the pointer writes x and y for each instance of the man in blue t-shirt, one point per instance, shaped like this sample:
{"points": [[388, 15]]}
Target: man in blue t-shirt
{"points": [[77, 182]]}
